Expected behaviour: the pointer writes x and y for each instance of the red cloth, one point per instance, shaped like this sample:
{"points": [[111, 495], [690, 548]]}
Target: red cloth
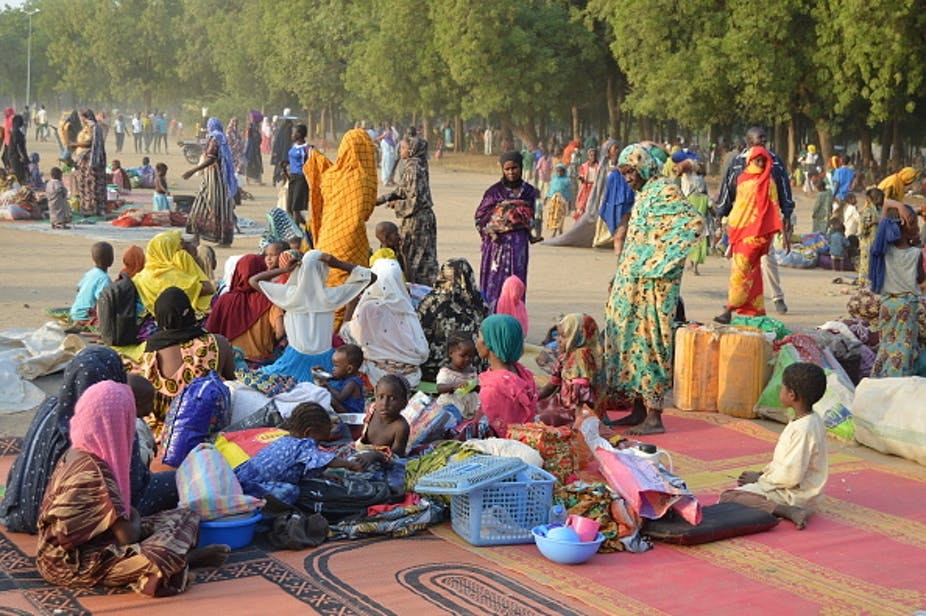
{"points": [[237, 310]]}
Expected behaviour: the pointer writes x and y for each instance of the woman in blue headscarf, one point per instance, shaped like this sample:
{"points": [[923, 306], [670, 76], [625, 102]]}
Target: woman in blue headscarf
{"points": [[213, 213], [661, 231]]}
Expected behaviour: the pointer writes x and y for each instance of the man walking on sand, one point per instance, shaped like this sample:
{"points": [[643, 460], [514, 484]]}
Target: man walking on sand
{"points": [[770, 278]]}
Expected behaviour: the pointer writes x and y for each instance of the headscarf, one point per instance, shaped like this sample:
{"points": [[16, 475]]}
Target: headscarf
{"points": [[168, 265], [98, 144], [280, 228], [310, 304], [511, 156], [389, 289], [641, 158], [504, 337], [226, 158], [834, 162], [134, 261], [456, 279], [511, 301], [176, 321], [418, 150], [237, 310], [895, 184], [579, 348], [8, 114], [48, 436], [812, 148], [104, 425], [755, 213], [348, 190]]}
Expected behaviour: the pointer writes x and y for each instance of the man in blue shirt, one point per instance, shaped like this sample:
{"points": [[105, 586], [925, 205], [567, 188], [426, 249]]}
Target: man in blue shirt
{"points": [[843, 176], [757, 136]]}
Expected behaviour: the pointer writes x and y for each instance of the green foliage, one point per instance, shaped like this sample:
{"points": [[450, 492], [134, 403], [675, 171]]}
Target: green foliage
{"points": [[518, 63]]}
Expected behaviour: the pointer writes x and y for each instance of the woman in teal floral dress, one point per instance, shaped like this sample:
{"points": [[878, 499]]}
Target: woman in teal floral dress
{"points": [[638, 345]]}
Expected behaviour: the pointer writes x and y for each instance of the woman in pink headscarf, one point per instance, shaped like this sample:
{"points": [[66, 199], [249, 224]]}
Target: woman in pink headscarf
{"points": [[89, 533], [511, 301]]}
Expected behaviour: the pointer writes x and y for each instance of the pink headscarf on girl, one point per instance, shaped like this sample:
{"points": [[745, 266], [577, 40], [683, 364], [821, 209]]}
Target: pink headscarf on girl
{"points": [[511, 301], [104, 425]]}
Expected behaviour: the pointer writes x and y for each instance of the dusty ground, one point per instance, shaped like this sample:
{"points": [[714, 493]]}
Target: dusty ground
{"points": [[41, 268]]}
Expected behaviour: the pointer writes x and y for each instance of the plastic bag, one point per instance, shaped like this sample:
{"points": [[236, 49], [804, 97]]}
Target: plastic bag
{"points": [[207, 485]]}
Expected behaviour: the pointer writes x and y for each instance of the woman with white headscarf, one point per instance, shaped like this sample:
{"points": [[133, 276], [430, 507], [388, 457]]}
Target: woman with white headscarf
{"points": [[386, 326], [310, 307]]}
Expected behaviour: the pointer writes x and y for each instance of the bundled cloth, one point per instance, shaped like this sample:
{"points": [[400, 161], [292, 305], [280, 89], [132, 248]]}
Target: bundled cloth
{"points": [[888, 233]]}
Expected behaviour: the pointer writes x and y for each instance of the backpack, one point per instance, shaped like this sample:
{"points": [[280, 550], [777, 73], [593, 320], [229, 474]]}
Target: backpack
{"points": [[116, 311], [201, 410], [341, 496]]}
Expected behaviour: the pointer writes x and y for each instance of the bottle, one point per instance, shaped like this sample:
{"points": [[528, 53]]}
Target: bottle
{"points": [[558, 515]]}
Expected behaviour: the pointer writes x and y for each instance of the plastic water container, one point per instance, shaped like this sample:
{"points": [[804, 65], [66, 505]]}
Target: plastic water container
{"points": [[558, 515], [696, 370], [744, 371]]}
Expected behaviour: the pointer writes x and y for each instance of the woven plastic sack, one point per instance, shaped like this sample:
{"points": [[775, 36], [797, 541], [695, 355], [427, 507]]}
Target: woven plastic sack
{"points": [[207, 484], [201, 410]]}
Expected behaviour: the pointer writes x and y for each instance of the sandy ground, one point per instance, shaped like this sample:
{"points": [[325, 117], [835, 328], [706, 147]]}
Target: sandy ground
{"points": [[41, 267]]}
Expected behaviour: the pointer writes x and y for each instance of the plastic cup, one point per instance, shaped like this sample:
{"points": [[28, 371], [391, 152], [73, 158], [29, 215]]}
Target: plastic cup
{"points": [[586, 528]]}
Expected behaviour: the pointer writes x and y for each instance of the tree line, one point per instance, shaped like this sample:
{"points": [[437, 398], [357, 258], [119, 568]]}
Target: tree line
{"points": [[830, 72]]}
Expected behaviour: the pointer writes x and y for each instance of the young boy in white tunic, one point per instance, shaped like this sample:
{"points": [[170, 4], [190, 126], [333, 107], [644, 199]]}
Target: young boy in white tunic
{"points": [[791, 484]]}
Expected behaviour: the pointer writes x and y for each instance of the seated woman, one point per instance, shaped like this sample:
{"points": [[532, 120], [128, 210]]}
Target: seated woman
{"points": [[89, 533], [384, 324], [181, 350], [455, 305], [48, 438], [507, 393], [167, 264], [577, 374], [245, 316], [310, 306]]}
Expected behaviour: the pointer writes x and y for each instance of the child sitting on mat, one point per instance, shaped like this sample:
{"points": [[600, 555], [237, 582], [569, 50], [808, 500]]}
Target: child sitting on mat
{"points": [[385, 431], [457, 383], [791, 484], [345, 384], [577, 372], [276, 470]]}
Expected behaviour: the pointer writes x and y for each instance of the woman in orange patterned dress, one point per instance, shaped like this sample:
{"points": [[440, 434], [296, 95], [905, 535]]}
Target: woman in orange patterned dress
{"points": [[753, 222]]}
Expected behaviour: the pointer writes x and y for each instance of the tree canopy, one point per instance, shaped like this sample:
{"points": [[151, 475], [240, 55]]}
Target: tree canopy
{"points": [[833, 71]]}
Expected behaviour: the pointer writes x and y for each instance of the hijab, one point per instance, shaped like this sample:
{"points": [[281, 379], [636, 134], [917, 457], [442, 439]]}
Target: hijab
{"points": [[389, 289], [310, 304], [579, 348], [49, 435], [8, 114], [237, 310], [134, 261], [226, 160], [418, 150], [503, 335], [641, 158], [511, 301], [104, 425], [167, 264], [176, 321], [98, 144], [511, 156]]}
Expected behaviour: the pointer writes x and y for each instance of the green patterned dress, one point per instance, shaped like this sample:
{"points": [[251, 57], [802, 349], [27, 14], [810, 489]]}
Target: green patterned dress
{"points": [[638, 348]]}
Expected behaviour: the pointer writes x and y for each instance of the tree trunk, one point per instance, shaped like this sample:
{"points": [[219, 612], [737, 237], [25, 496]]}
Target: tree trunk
{"points": [[897, 149], [780, 134], [457, 133], [322, 125], [826, 140], [524, 132], [792, 140], [886, 132], [308, 123], [864, 144], [575, 123], [614, 109], [425, 127], [646, 128]]}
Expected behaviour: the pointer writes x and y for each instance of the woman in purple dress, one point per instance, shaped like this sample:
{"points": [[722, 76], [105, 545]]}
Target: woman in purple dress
{"points": [[504, 220]]}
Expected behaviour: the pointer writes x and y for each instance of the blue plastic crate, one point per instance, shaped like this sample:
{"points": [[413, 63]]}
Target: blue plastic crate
{"points": [[505, 511], [467, 475]]}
